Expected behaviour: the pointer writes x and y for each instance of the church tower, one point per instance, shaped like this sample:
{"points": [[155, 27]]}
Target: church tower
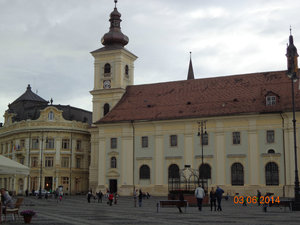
{"points": [[113, 68]]}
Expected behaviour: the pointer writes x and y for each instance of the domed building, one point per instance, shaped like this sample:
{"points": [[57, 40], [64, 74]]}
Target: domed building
{"points": [[52, 140]]}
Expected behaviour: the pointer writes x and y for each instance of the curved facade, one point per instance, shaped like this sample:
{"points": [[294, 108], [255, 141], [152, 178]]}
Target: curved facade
{"points": [[54, 143]]}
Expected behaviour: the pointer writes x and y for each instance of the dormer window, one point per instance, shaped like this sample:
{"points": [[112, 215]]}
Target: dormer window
{"points": [[107, 68], [50, 115], [271, 100]]}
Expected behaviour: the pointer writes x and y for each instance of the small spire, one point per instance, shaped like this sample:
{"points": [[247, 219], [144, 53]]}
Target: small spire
{"points": [[292, 55], [190, 75], [290, 29], [116, 1], [28, 87]]}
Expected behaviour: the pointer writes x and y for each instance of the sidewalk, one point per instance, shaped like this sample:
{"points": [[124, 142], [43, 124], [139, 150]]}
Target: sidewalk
{"points": [[75, 210]]}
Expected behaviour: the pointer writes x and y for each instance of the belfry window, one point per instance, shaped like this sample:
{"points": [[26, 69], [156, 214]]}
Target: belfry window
{"points": [[107, 68], [105, 109]]}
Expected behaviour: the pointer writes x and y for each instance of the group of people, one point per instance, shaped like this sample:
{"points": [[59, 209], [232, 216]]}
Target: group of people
{"points": [[110, 196], [138, 194], [215, 196]]}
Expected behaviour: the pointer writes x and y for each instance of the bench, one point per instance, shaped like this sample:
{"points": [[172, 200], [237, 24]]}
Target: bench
{"points": [[286, 203], [172, 203]]}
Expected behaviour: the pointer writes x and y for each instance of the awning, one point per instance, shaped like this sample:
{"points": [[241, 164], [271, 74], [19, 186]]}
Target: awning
{"points": [[10, 167]]}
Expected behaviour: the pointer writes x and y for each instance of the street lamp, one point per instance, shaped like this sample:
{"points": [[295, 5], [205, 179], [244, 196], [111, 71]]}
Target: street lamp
{"points": [[292, 64], [202, 124]]}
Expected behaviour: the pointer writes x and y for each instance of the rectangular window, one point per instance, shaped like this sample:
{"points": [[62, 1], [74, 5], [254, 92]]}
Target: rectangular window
{"points": [[271, 100], [145, 142], [34, 162], [65, 144], [65, 162], [173, 140], [78, 145], [236, 138], [48, 161], [22, 143], [205, 139], [49, 143], [270, 136], [78, 163], [35, 143], [113, 143], [65, 180]]}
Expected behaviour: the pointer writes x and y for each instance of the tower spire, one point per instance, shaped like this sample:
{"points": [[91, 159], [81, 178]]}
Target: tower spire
{"points": [[190, 75], [115, 37], [292, 56]]}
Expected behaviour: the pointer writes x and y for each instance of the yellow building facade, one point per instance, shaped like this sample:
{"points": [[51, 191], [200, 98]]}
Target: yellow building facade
{"points": [[52, 140], [142, 134]]}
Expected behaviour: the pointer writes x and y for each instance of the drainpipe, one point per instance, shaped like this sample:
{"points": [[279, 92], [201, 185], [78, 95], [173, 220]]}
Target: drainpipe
{"points": [[71, 159], [28, 160], [133, 155], [283, 145]]}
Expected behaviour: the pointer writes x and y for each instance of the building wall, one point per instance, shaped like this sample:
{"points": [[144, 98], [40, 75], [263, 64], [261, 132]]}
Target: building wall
{"points": [[220, 153], [15, 134]]}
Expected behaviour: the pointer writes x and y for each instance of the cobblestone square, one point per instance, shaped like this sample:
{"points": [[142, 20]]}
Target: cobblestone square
{"points": [[76, 210]]}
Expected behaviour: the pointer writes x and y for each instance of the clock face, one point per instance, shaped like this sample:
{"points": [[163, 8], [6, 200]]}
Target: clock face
{"points": [[106, 84]]}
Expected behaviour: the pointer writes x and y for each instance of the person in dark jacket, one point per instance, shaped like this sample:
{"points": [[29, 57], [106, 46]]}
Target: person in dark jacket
{"points": [[181, 203], [140, 198], [219, 193], [212, 196], [89, 195]]}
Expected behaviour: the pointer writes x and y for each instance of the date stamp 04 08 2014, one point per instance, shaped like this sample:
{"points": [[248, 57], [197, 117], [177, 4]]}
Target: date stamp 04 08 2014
{"points": [[254, 200]]}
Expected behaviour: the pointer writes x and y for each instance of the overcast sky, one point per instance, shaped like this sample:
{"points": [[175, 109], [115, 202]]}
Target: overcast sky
{"points": [[46, 43]]}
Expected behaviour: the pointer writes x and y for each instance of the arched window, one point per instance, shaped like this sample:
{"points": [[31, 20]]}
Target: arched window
{"points": [[205, 171], [50, 115], [107, 68], [271, 151], [237, 174], [126, 70], [105, 109], [113, 162], [272, 174], [144, 172], [173, 172]]}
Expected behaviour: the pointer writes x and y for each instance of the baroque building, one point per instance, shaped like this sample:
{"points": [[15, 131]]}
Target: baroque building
{"points": [[142, 135], [52, 140]]}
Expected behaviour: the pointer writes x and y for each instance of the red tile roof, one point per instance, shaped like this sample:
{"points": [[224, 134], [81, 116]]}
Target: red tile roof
{"points": [[218, 96]]}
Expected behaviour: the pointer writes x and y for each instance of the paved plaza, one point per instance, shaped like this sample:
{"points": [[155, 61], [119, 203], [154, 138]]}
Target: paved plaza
{"points": [[76, 210]]}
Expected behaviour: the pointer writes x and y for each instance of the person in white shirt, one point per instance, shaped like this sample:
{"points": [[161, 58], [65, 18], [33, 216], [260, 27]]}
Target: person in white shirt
{"points": [[199, 193]]}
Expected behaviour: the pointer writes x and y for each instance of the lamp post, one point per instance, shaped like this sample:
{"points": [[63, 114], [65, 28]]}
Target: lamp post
{"points": [[292, 71], [202, 124]]}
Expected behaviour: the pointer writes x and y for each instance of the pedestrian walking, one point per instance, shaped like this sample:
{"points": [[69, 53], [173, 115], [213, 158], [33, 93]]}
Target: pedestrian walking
{"points": [[140, 198], [213, 199], [258, 197], [219, 193], [181, 203], [116, 198], [135, 197], [199, 193], [89, 195], [110, 198], [99, 195]]}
